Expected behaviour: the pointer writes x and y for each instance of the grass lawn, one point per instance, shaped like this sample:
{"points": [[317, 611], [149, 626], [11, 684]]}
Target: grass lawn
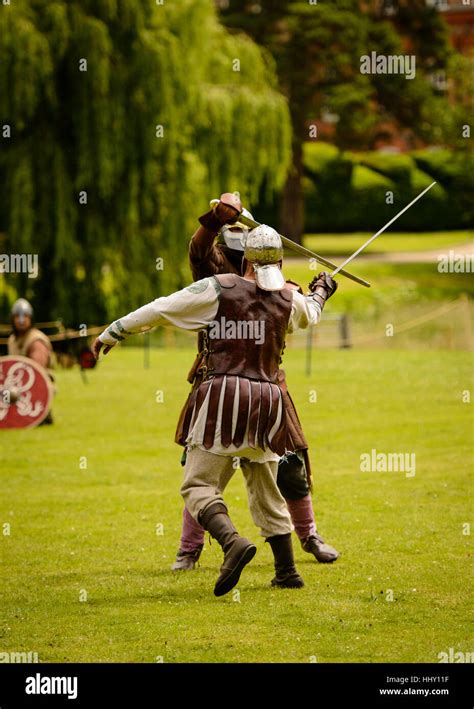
{"points": [[345, 244], [85, 500]]}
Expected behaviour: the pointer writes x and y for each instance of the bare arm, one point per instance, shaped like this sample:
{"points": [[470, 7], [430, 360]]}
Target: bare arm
{"points": [[39, 352]]}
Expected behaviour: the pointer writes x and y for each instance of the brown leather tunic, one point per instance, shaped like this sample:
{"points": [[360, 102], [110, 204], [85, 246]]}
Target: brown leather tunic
{"points": [[248, 336], [249, 363]]}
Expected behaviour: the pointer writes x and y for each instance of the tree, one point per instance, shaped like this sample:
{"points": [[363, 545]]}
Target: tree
{"points": [[318, 47], [121, 118]]}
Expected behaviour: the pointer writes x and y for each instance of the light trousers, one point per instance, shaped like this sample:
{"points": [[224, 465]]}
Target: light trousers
{"points": [[206, 476]]}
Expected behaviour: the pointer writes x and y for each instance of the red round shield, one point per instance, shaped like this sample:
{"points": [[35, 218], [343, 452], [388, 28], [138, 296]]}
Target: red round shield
{"points": [[26, 392]]}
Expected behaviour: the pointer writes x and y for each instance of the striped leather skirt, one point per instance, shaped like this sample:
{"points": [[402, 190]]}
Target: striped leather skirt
{"points": [[233, 411]]}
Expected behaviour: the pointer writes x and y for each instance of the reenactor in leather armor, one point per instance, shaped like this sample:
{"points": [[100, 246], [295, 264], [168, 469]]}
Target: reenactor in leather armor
{"points": [[217, 247]]}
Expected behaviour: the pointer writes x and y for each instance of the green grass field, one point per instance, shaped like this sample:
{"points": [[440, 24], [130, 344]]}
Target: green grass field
{"points": [[76, 529]]}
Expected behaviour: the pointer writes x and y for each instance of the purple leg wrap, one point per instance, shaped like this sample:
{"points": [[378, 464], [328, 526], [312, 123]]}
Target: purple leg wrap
{"points": [[192, 534], [302, 516]]}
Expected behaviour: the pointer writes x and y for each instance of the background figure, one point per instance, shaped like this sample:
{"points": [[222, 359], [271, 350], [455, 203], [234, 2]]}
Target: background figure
{"points": [[28, 341]]}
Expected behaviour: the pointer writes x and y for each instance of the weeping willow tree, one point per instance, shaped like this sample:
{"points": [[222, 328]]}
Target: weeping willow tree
{"points": [[120, 119]]}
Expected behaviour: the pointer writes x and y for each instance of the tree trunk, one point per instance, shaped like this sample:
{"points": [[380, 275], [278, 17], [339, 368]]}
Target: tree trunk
{"points": [[292, 198]]}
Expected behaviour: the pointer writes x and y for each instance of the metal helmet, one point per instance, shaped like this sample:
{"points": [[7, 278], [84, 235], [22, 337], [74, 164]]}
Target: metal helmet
{"points": [[264, 250], [235, 235], [22, 308]]}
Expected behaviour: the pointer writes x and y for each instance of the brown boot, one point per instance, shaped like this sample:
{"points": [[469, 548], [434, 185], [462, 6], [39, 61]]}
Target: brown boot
{"points": [[238, 551], [321, 551], [286, 573]]}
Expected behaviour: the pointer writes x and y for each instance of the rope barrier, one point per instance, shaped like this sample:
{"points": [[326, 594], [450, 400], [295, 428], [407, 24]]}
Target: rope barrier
{"points": [[410, 324]]}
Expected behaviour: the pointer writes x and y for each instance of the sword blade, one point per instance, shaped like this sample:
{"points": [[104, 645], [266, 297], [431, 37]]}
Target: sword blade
{"points": [[305, 252], [380, 231]]}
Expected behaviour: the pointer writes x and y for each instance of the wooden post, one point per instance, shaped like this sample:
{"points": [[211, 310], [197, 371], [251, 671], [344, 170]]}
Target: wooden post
{"points": [[466, 311], [146, 350], [344, 332]]}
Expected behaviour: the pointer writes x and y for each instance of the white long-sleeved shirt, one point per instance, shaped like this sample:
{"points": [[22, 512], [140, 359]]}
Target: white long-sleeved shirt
{"points": [[195, 308]]}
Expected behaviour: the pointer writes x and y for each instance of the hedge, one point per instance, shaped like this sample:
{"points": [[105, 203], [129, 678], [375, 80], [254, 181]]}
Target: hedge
{"points": [[346, 191]]}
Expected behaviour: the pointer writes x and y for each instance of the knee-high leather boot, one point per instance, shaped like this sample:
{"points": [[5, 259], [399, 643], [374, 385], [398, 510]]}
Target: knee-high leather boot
{"points": [[238, 551], [286, 573]]}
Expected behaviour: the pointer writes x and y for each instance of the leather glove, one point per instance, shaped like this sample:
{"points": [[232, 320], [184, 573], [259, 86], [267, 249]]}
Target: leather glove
{"points": [[227, 211], [322, 287]]}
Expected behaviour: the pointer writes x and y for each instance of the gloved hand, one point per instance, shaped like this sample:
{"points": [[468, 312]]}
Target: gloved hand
{"points": [[325, 282], [227, 211], [322, 287]]}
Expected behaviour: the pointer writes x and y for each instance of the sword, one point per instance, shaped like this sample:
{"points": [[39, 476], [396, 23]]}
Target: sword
{"points": [[380, 231], [252, 224]]}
